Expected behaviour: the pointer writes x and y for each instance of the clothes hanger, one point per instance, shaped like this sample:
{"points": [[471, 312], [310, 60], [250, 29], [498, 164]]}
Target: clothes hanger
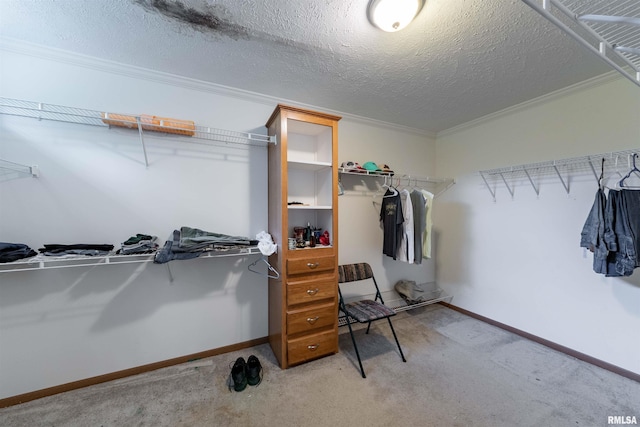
{"points": [[390, 187], [415, 186], [275, 274], [383, 188], [601, 179], [408, 180], [633, 170], [608, 179], [617, 167]]}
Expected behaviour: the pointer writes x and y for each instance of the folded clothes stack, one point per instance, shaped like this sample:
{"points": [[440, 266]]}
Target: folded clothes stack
{"points": [[86, 249], [14, 251], [139, 244]]}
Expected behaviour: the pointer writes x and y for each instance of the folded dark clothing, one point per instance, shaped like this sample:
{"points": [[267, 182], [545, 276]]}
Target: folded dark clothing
{"points": [[139, 251], [137, 238], [84, 252], [142, 249], [14, 251], [56, 248], [76, 249]]}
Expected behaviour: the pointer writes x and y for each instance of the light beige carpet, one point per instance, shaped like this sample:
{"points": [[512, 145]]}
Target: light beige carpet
{"points": [[459, 372]]}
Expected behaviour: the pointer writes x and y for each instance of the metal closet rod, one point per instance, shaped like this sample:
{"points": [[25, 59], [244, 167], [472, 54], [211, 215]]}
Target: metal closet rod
{"points": [[416, 179], [553, 167], [397, 180]]}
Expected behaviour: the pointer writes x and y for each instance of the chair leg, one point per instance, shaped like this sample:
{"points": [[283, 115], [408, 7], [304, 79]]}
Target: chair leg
{"points": [[396, 338], [368, 326], [355, 346]]}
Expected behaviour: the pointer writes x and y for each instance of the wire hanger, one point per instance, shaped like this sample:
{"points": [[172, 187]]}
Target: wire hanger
{"points": [[601, 179], [614, 172], [416, 187], [275, 274], [406, 186], [634, 169], [382, 189], [617, 167]]}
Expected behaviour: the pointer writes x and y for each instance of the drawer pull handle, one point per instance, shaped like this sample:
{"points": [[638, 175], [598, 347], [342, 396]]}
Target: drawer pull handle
{"points": [[313, 347], [314, 265], [312, 320], [313, 291]]}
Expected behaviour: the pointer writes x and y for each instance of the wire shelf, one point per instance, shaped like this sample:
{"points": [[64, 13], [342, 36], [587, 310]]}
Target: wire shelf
{"points": [[616, 21], [617, 161], [43, 262], [443, 184], [405, 177], [189, 131], [610, 29]]}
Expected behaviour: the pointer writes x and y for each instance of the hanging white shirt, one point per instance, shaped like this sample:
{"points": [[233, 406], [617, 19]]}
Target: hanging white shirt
{"points": [[406, 250]]}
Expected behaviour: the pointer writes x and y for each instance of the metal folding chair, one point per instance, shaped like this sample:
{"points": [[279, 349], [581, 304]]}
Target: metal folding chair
{"points": [[364, 310]]}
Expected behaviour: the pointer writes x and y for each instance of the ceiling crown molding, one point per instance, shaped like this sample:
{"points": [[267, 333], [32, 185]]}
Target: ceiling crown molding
{"points": [[91, 62], [112, 67], [561, 93]]}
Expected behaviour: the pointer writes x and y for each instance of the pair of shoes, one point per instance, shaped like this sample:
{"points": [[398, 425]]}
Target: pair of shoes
{"points": [[243, 373]]}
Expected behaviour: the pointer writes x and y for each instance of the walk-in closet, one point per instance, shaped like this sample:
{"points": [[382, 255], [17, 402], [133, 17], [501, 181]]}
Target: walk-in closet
{"points": [[183, 183]]}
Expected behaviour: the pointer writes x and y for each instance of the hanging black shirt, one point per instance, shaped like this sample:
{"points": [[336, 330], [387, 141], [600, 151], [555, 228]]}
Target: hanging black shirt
{"points": [[392, 219]]}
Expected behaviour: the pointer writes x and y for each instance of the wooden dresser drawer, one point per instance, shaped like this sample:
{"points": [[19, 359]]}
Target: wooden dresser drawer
{"points": [[305, 291], [312, 347], [309, 319], [311, 264]]}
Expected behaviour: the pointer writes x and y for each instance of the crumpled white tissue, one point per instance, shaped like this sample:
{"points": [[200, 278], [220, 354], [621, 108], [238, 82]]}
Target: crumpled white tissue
{"points": [[265, 243]]}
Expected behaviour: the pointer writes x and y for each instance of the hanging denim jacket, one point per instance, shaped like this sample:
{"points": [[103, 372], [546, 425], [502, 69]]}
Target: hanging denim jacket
{"points": [[592, 236], [632, 210], [622, 228]]}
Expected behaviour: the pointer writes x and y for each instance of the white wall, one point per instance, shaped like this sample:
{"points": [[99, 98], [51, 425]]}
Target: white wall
{"points": [[519, 261], [63, 325], [359, 221]]}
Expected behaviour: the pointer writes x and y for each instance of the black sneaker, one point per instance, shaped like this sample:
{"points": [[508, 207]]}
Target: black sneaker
{"points": [[238, 375], [254, 370]]}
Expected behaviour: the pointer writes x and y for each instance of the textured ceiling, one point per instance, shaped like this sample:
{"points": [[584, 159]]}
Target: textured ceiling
{"points": [[458, 61]]}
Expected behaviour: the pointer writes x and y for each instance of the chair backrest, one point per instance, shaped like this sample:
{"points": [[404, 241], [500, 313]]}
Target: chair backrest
{"points": [[354, 272]]}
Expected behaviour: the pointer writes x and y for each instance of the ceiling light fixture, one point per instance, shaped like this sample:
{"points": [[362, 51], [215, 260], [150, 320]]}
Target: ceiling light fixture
{"points": [[393, 15]]}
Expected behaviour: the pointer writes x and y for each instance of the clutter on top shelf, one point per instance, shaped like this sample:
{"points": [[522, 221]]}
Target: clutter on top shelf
{"points": [[153, 123]]}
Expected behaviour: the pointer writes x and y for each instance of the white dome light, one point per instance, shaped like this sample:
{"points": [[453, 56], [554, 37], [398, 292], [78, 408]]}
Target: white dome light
{"points": [[393, 15]]}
